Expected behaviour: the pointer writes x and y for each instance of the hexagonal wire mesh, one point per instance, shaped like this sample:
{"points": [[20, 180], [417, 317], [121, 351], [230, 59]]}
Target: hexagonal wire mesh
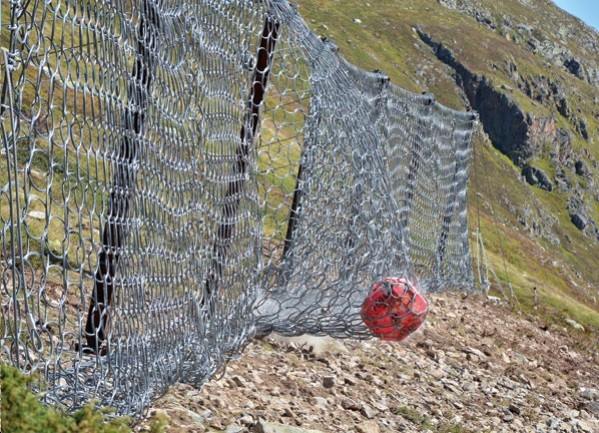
{"points": [[177, 176]]}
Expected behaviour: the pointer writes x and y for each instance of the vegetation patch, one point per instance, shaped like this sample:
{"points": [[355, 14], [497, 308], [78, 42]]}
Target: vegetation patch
{"points": [[22, 412]]}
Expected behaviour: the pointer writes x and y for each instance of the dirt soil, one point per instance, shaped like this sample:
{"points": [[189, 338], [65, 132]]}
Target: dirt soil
{"points": [[477, 366]]}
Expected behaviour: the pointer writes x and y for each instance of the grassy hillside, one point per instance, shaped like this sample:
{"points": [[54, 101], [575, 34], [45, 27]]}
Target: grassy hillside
{"points": [[529, 235]]}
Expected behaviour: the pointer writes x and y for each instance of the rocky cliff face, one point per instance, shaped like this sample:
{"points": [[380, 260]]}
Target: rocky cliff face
{"points": [[569, 50], [514, 132], [550, 33]]}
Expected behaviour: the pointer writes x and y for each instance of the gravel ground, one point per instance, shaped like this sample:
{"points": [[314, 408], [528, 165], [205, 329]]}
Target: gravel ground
{"points": [[477, 366]]}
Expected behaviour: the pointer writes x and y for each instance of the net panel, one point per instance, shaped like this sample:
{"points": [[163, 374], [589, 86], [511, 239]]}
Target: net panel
{"points": [[178, 176], [381, 192]]}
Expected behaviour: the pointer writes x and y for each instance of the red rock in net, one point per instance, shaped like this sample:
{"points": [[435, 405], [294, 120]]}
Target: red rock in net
{"points": [[394, 309]]}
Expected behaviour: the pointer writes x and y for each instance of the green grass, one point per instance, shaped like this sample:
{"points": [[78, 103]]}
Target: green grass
{"points": [[528, 260], [423, 423], [414, 416]]}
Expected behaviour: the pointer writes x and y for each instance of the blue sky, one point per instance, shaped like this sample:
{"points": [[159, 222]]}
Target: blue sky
{"points": [[587, 10]]}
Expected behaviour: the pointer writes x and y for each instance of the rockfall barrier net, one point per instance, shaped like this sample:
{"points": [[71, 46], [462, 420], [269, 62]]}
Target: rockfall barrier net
{"points": [[179, 176]]}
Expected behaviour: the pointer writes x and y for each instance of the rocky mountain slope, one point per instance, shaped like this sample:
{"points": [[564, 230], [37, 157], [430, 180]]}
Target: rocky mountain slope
{"points": [[530, 365], [565, 46], [532, 72], [477, 366]]}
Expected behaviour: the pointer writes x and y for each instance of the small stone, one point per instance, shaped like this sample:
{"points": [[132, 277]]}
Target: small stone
{"points": [[514, 409], [590, 394], [592, 407], [451, 386], [468, 386], [495, 421], [217, 424], [507, 418], [37, 215], [206, 413], [328, 381], [438, 373], [256, 378], [457, 419], [237, 380], [432, 354], [348, 404], [289, 413], [584, 427], [349, 381], [320, 402], [368, 412], [526, 380], [368, 427], [380, 406], [517, 425], [219, 403], [246, 420], [476, 352], [272, 427], [552, 423]]}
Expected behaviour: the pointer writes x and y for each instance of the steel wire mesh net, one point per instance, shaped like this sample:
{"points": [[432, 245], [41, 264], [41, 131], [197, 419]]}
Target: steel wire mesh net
{"points": [[177, 176]]}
